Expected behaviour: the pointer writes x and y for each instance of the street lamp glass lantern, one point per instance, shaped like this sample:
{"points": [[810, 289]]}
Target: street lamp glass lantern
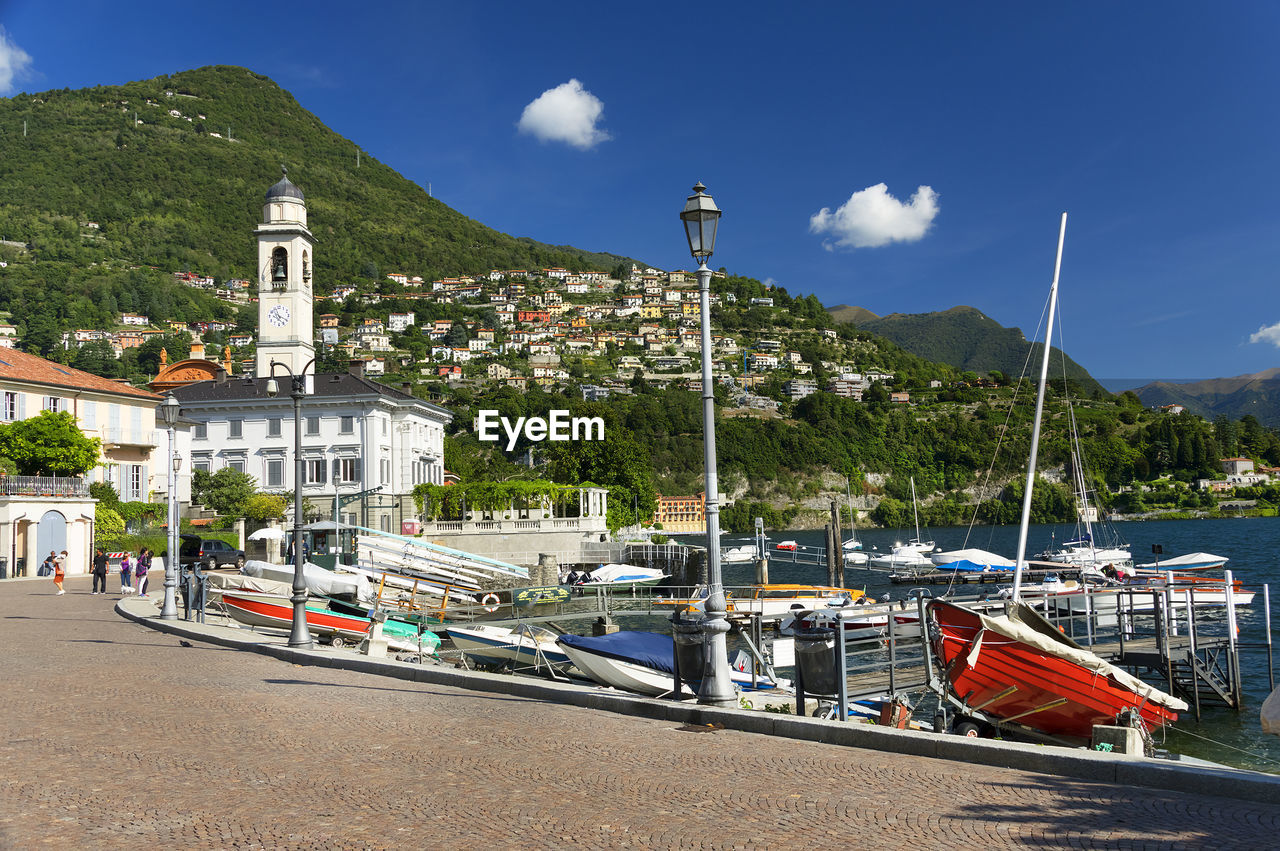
{"points": [[169, 410], [272, 387], [701, 216]]}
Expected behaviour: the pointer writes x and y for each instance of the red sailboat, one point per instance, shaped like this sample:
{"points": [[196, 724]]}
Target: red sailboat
{"points": [[1016, 668]]}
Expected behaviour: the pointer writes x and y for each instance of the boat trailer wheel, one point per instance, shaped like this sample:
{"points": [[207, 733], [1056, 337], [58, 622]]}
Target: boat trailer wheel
{"points": [[967, 727], [337, 642]]}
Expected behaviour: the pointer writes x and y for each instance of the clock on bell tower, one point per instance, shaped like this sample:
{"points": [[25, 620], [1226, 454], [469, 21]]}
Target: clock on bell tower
{"points": [[285, 296]]}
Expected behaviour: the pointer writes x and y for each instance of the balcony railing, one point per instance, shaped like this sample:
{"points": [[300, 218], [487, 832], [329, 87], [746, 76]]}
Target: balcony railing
{"points": [[43, 486], [127, 437]]}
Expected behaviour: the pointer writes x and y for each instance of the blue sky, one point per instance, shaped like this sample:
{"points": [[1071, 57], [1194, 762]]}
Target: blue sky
{"points": [[900, 157]]}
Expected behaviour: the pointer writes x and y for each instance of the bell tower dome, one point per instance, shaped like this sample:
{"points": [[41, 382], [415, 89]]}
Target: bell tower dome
{"points": [[286, 330]]}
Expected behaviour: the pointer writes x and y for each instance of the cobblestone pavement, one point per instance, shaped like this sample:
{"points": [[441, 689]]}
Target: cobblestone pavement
{"points": [[115, 735]]}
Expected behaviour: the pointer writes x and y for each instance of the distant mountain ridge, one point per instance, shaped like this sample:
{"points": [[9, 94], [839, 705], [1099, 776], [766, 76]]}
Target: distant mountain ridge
{"points": [[967, 339], [1257, 394]]}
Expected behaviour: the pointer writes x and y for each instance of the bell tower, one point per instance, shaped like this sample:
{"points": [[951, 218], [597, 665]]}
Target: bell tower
{"points": [[285, 262]]}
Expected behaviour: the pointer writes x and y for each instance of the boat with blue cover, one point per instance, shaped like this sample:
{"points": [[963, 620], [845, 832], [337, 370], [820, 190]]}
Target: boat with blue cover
{"points": [[637, 661]]}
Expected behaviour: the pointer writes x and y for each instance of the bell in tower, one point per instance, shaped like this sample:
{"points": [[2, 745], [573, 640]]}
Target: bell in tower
{"points": [[279, 267]]}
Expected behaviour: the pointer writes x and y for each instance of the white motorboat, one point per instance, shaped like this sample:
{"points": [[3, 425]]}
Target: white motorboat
{"points": [[621, 576], [973, 555], [738, 555], [903, 557], [526, 644], [1190, 561]]}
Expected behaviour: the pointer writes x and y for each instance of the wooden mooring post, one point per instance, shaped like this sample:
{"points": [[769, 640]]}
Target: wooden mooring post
{"points": [[836, 547]]}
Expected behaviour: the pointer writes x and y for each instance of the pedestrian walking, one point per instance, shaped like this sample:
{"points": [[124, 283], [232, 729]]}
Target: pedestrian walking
{"points": [[50, 568], [126, 576], [60, 572], [140, 570], [99, 572]]}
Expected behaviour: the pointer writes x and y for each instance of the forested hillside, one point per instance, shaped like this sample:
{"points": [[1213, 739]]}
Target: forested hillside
{"points": [[103, 178], [967, 339]]}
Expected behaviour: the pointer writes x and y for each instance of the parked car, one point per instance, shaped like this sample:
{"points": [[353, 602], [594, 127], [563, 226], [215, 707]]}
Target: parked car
{"points": [[220, 552], [193, 550]]}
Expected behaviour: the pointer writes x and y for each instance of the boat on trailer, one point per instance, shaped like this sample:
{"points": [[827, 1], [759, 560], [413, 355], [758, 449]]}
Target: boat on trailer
{"points": [[642, 662], [524, 645], [1018, 670]]}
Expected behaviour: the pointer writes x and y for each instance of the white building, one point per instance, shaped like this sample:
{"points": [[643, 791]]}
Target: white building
{"points": [[357, 435], [397, 322]]}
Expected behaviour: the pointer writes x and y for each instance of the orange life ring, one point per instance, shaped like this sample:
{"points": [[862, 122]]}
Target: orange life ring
{"points": [[490, 602]]}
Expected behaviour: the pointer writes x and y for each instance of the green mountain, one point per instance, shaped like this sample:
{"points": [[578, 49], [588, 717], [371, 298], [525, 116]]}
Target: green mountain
{"points": [[1257, 394], [173, 171], [849, 313], [967, 339]]}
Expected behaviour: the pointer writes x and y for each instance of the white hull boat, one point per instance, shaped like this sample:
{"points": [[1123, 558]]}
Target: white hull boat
{"points": [[526, 645], [622, 576]]}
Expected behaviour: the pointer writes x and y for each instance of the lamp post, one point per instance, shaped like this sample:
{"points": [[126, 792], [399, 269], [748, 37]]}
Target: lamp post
{"points": [[169, 607], [701, 217], [298, 635]]}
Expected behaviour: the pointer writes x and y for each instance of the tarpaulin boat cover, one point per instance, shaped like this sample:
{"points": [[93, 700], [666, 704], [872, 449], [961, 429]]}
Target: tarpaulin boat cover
{"points": [[319, 580], [650, 649], [1062, 647]]}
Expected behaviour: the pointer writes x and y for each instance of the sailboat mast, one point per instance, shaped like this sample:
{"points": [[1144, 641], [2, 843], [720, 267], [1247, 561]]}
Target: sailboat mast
{"points": [[1035, 429], [914, 509]]}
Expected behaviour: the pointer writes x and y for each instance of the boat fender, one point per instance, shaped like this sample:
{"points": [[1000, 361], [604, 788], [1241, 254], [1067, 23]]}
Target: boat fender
{"points": [[490, 602]]}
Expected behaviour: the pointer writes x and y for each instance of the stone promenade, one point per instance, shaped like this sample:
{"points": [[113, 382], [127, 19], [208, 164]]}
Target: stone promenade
{"points": [[117, 736]]}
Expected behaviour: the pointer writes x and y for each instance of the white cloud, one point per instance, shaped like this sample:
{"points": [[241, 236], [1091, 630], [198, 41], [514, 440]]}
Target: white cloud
{"points": [[568, 113], [872, 217], [13, 62], [1267, 334]]}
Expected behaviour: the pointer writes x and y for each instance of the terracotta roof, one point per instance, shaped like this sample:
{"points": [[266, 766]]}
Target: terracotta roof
{"points": [[24, 367]]}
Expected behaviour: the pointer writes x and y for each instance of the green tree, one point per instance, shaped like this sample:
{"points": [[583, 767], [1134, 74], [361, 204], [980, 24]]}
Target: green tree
{"points": [[264, 506], [49, 444], [108, 529], [225, 491]]}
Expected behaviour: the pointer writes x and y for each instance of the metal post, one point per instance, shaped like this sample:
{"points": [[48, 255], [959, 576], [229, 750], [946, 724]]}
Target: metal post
{"points": [[1266, 604], [298, 636], [169, 607], [842, 663], [1233, 632], [717, 688], [1192, 659]]}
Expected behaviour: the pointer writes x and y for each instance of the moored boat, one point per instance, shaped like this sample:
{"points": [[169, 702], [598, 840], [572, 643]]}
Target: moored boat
{"points": [[769, 601], [621, 576]]}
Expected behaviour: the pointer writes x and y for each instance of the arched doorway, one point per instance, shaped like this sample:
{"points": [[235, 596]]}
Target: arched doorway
{"points": [[51, 536]]}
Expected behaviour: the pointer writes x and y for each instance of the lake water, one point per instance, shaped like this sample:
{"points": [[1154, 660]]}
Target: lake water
{"points": [[1251, 544]]}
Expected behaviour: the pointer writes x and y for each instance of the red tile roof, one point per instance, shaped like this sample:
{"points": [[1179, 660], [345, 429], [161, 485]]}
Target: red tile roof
{"points": [[20, 366]]}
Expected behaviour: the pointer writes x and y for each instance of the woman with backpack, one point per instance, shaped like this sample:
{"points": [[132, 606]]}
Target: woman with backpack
{"points": [[140, 570]]}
